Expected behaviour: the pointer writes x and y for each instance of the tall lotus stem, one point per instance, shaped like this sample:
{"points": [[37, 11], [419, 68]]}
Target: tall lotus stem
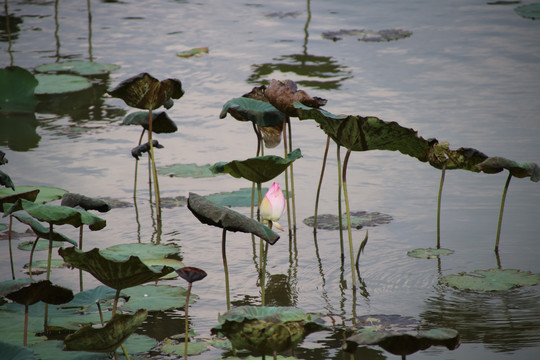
{"points": [[136, 168], [261, 248], [154, 171], [49, 260], [186, 330], [347, 209], [501, 212], [9, 238], [226, 268], [291, 167], [320, 183], [286, 174], [340, 211], [439, 207], [80, 248]]}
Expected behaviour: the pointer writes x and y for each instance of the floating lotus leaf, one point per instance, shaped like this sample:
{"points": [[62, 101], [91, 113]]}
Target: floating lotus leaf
{"points": [[40, 266], [6, 181], [161, 122], [42, 244], [368, 35], [283, 95], [16, 352], [172, 202], [87, 203], [86, 299], [17, 86], [492, 279], [399, 335], [155, 297], [175, 348], [84, 68], [175, 264], [29, 292], [137, 151], [44, 193], [497, 164], [118, 272], [429, 253], [211, 214], [107, 338], [60, 84], [463, 158], [257, 169], [57, 215], [359, 133], [530, 11], [258, 112], [359, 219], [197, 52], [144, 91], [143, 251], [265, 329], [279, 357], [187, 171], [238, 198]]}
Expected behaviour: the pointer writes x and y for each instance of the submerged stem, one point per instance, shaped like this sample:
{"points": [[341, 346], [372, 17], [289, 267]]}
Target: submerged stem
{"points": [[501, 212]]}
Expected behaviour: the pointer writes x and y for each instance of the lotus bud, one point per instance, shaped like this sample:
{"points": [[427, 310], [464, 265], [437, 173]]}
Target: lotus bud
{"points": [[273, 206]]}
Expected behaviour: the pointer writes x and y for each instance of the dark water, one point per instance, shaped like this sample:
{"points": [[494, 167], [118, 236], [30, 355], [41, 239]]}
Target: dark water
{"points": [[468, 75]]}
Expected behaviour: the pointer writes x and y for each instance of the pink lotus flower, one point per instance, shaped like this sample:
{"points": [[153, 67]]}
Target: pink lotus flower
{"points": [[273, 206]]}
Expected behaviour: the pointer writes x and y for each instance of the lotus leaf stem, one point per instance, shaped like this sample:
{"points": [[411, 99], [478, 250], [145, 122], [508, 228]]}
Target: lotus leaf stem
{"points": [[320, 183], [347, 209], [49, 260], [80, 248], [291, 167], [501, 212], [225, 267], [10, 249], [340, 211], [154, 171], [32, 257], [137, 167], [287, 176], [186, 329], [443, 172]]}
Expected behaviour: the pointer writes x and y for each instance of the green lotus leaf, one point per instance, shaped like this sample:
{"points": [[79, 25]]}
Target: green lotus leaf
{"points": [[42, 231], [174, 263], [144, 91], [530, 11], [187, 171], [57, 215], [40, 266], [197, 52], [84, 68], [258, 169], [11, 198], [492, 279], [44, 193], [16, 352], [6, 181], [49, 84], [86, 299], [359, 133], [175, 348], [429, 253], [211, 214], [258, 112], [161, 122], [265, 329], [107, 338], [87, 203], [368, 35], [359, 219], [143, 251], [30, 292], [441, 156], [3, 227], [399, 335], [17, 86], [497, 164], [279, 357], [42, 244], [117, 272], [238, 198]]}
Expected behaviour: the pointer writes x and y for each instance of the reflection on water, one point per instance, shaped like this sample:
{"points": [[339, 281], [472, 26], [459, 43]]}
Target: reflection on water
{"points": [[18, 131]]}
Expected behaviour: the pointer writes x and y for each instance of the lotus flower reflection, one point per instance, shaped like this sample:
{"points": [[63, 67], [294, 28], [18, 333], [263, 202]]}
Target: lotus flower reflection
{"points": [[273, 206]]}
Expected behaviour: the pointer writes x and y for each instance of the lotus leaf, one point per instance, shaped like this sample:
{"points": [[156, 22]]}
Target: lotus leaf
{"points": [[161, 122], [155, 297], [441, 156], [175, 264], [187, 171], [139, 150], [368, 35], [84, 300], [142, 251], [496, 164], [42, 244], [429, 253], [238, 198], [492, 279], [264, 329], [211, 214], [197, 52], [17, 86], [42, 231], [170, 202], [16, 352], [87, 203], [107, 338], [84, 68], [359, 219], [49, 84], [530, 11], [259, 112], [29, 292], [257, 169], [40, 266], [118, 272], [191, 274], [283, 96], [57, 215], [44, 193], [173, 347], [11, 198], [144, 91], [6, 180]]}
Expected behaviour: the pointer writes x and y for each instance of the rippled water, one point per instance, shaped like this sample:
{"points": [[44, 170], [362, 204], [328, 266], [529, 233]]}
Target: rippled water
{"points": [[468, 75]]}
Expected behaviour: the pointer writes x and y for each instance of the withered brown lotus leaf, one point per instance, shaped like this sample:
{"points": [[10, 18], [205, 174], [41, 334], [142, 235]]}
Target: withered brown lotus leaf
{"points": [[283, 95]]}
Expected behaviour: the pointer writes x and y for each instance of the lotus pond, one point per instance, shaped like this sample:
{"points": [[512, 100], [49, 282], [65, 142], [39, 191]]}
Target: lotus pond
{"points": [[463, 72]]}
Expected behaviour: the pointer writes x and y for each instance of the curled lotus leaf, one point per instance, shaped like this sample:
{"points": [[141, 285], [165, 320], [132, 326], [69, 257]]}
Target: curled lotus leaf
{"points": [[137, 151], [258, 112], [220, 216], [359, 133], [161, 122], [258, 169], [283, 95], [14, 195], [117, 272], [492, 279], [108, 338], [191, 274], [143, 91], [441, 155], [37, 194], [42, 231], [265, 329], [497, 164], [11, 351], [6, 180], [87, 203], [529, 11], [29, 292]]}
